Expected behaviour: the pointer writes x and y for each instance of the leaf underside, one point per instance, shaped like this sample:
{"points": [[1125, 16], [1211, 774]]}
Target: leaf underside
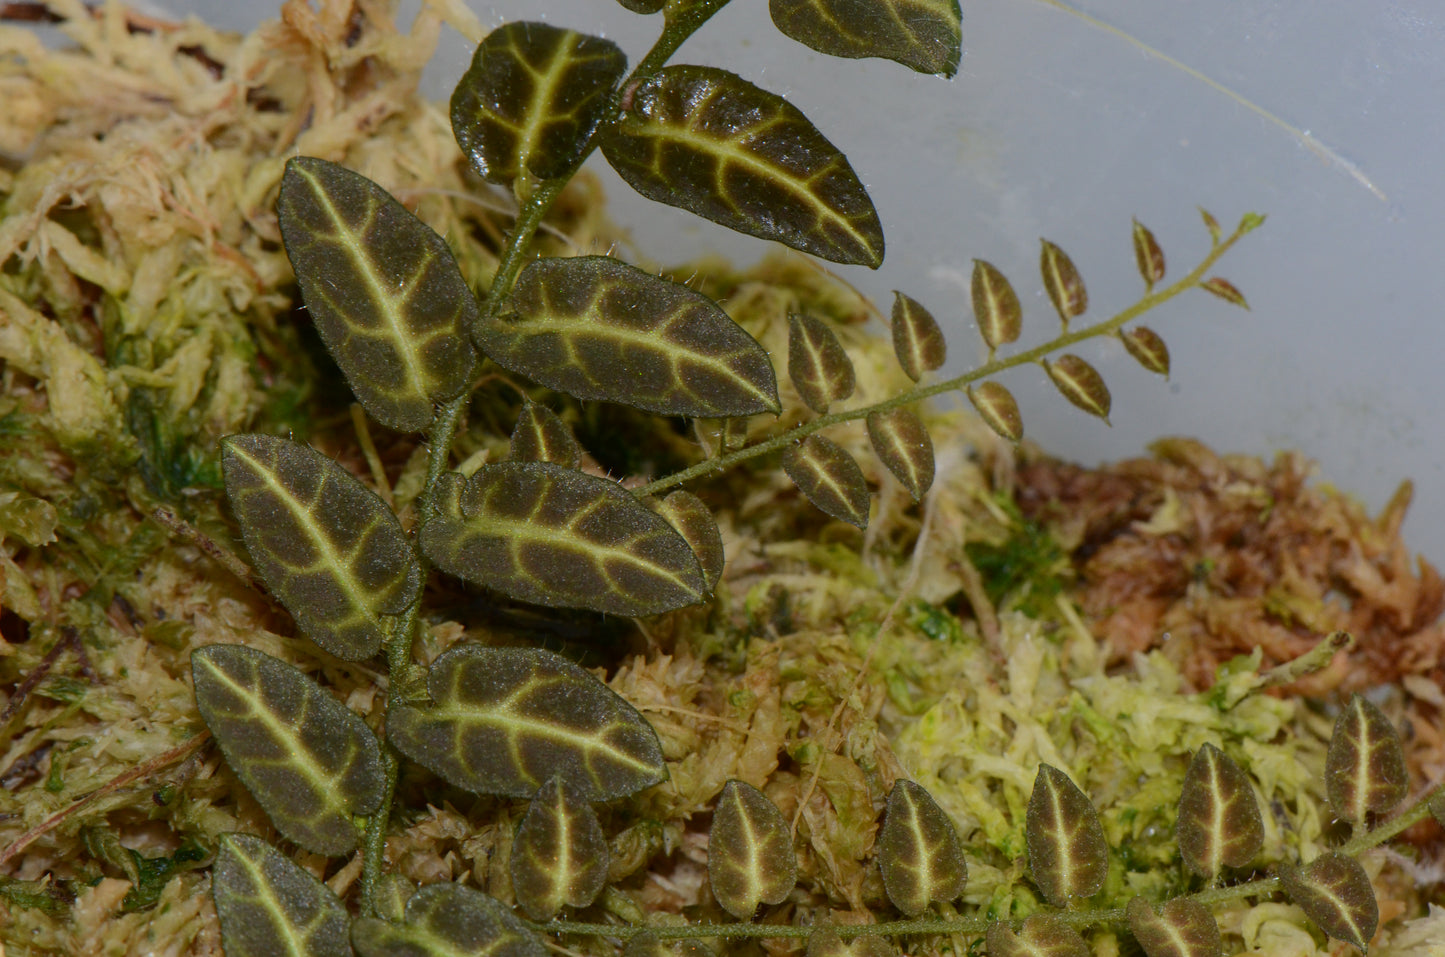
{"points": [[531, 98], [750, 859], [829, 478], [504, 720], [710, 142], [327, 546], [383, 288], [596, 328], [1335, 892], [923, 35], [1181, 928], [309, 761], [919, 851], [559, 853], [1219, 820], [1068, 855], [1042, 935], [267, 905], [554, 536], [447, 920], [1365, 766]]}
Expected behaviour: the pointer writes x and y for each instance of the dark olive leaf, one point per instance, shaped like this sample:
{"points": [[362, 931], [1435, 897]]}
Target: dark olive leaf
{"points": [[995, 306], [998, 408], [1219, 821], [384, 291], [919, 851], [1181, 928], [531, 99], [327, 546], [268, 905], [390, 895], [540, 435], [710, 142], [917, 340], [819, 367], [504, 720], [923, 35], [596, 328], [1148, 256], [1062, 282], [559, 853], [1335, 892], [447, 920], [1041, 935], [825, 942], [750, 859], [1081, 384], [827, 475], [1147, 348], [1068, 855], [902, 444], [686, 512], [1365, 766], [554, 536], [307, 759], [643, 6], [1225, 290]]}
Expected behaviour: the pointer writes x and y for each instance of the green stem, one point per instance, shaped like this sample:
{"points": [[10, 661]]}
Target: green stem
{"points": [[993, 367]]}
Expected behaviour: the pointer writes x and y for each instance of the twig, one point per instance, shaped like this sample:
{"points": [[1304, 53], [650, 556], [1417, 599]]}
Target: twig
{"points": [[167, 518]]}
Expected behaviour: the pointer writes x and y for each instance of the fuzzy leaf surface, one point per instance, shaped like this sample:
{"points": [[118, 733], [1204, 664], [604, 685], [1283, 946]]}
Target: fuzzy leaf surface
{"points": [[327, 546], [998, 408], [903, 445], [750, 859], [1148, 349], [710, 142], [1335, 892], [309, 761], [1148, 256], [923, 35], [1225, 290], [829, 478], [1181, 928], [1365, 765], [1081, 384], [1219, 821], [596, 328], [555, 536], [531, 98], [917, 340], [693, 520], [1042, 935], [559, 853], [825, 942], [268, 905], [383, 288], [505, 720], [1068, 856], [1062, 282], [919, 851], [996, 306], [819, 367], [540, 435], [447, 920]]}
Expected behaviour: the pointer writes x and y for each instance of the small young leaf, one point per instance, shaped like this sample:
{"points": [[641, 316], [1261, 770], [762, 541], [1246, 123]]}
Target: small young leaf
{"points": [[995, 306], [327, 546], [997, 408], [1062, 282], [923, 35], [1334, 891], [391, 894], [1147, 255], [1182, 928], [1068, 855], [918, 851], [902, 444], [917, 340], [309, 761], [643, 6], [1211, 224], [1365, 767], [648, 945], [1219, 821], [384, 290], [1249, 222], [1042, 935], [750, 859], [710, 142], [504, 720], [554, 536], [1145, 346], [267, 905], [540, 435], [829, 478], [821, 371], [1225, 290], [734, 433], [531, 98], [596, 328], [559, 854], [1081, 384], [694, 522], [447, 920], [825, 942]]}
